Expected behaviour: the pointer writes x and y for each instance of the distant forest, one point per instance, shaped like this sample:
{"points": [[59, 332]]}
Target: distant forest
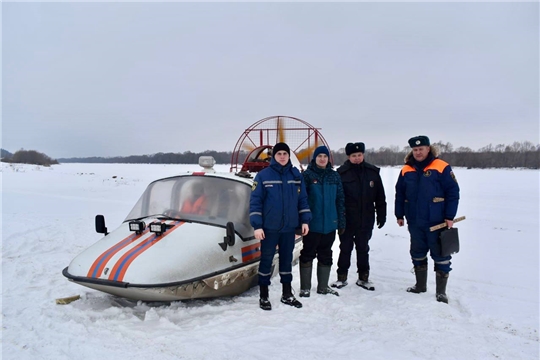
{"points": [[517, 155], [27, 157]]}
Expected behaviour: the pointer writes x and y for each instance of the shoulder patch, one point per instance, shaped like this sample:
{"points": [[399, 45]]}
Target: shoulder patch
{"points": [[254, 186], [453, 176]]}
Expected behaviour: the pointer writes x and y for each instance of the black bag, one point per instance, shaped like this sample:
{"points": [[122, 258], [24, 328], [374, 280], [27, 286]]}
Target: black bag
{"points": [[449, 241]]}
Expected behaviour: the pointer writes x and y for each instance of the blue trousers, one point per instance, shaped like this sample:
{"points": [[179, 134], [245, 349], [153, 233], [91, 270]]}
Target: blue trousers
{"points": [[285, 244], [422, 241]]}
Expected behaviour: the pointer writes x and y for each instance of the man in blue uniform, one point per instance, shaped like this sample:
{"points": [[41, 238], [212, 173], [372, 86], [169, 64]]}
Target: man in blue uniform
{"points": [[278, 205], [427, 193]]}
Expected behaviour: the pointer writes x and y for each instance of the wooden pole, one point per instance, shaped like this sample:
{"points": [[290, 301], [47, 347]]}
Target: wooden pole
{"points": [[67, 300], [440, 226]]}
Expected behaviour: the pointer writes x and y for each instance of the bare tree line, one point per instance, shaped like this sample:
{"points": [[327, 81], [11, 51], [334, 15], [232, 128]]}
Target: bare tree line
{"points": [[517, 155]]}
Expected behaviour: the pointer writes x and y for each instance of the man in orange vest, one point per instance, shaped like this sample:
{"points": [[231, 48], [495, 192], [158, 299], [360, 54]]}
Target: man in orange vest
{"points": [[197, 203], [427, 194]]}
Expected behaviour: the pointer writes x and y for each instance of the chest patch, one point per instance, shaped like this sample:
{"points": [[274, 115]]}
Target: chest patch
{"points": [[427, 173], [371, 184], [315, 181]]}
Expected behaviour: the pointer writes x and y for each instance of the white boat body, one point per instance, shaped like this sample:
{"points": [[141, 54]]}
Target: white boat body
{"points": [[187, 260]]}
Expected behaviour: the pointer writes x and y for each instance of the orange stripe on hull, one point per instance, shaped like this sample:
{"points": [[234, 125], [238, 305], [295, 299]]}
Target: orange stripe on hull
{"points": [[251, 252], [255, 255], [97, 267], [122, 265]]}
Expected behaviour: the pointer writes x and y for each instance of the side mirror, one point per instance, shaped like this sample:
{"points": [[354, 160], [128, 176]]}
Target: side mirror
{"points": [[100, 225], [229, 238]]}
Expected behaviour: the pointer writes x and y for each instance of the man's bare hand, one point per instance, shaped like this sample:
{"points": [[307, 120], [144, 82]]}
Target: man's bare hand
{"points": [[305, 229], [259, 234]]}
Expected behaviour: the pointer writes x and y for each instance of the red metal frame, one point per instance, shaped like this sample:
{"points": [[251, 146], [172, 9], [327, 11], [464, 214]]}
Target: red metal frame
{"points": [[264, 132]]}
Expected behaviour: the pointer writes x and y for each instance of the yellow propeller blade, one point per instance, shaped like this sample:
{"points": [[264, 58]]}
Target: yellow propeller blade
{"points": [[305, 153], [248, 147], [281, 131]]}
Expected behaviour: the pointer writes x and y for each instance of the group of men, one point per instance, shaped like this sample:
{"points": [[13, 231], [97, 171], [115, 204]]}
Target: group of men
{"points": [[351, 200]]}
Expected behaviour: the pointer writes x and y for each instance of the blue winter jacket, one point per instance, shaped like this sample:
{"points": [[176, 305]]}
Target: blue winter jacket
{"points": [[278, 199], [427, 196], [326, 199]]}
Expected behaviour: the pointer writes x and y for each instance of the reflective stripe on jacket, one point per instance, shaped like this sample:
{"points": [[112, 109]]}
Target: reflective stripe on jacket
{"points": [[426, 196], [278, 199]]}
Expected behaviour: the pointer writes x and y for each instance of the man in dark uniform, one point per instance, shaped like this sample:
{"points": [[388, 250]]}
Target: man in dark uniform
{"points": [[427, 194], [277, 206], [364, 199]]}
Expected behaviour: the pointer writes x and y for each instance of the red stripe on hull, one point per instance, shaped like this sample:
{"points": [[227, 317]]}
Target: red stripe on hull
{"points": [[122, 265]]}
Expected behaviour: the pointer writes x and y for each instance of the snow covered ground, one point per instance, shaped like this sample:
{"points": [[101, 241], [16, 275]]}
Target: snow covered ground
{"points": [[48, 218]]}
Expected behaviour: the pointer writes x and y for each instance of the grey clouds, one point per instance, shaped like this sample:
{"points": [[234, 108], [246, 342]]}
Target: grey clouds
{"points": [[115, 79]]}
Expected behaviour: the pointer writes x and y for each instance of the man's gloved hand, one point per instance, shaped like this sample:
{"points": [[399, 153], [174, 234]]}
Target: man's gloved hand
{"points": [[380, 223], [340, 231]]}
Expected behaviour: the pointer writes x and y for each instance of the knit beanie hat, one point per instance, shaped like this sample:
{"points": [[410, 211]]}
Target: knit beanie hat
{"points": [[321, 150], [351, 148], [279, 147]]}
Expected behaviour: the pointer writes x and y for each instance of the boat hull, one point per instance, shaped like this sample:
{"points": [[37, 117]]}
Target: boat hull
{"points": [[231, 282]]}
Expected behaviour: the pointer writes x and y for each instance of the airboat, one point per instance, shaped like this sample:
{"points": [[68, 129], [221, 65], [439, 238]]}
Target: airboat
{"points": [[171, 247]]}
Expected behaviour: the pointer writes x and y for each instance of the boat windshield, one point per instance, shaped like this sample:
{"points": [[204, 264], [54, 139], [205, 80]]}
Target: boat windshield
{"points": [[204, 199]]}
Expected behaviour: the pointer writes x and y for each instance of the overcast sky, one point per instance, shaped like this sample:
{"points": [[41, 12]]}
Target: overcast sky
{"points": [[117, 79]]}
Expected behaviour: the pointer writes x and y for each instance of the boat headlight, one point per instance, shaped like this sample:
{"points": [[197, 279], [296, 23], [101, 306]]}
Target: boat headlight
{"points": [[158, 228], [137, 226]]}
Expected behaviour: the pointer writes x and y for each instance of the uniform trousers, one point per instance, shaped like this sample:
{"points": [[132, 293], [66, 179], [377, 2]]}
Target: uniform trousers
{"points": [[422, 241], [285, 244], [360, 240]]}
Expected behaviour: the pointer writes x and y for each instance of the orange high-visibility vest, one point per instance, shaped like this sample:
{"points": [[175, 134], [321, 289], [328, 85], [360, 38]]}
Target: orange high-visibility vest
{"points": [[196, 207]]}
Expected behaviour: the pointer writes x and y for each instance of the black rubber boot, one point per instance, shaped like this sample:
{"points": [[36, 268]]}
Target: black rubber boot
{"points": [[421, 280], [363, 281], [305, 278], [441, 281], [288, 298], [323, 274], [264, 303]]}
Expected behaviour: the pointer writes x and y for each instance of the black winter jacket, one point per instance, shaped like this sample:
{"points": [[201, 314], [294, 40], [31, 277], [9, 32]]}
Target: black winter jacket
{"points": [[364, 193]]}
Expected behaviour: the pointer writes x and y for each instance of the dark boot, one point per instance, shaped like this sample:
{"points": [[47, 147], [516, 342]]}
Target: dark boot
{"points": [[323, 274], [421, 280], [288, 298], [441, 281], [264, 303], [341, 281], [363, 281], [305, 278]]}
